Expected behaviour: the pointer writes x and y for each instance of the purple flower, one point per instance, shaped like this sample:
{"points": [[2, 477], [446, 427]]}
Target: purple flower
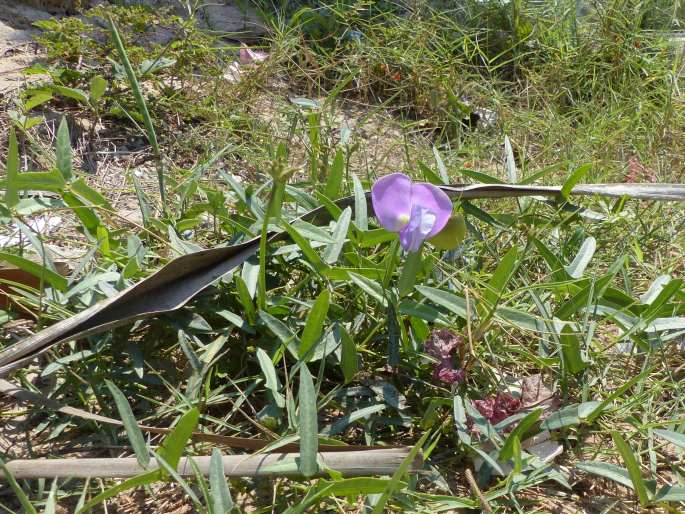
{"points": [[497, 408], [448, 375], [441, 343], [417, 211]]}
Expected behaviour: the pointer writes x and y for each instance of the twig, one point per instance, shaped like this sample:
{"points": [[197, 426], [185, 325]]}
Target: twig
{"points": [[476, 490]]}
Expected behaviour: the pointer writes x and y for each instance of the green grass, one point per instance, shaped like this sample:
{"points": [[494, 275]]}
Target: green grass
{"points": [[357, 90]]}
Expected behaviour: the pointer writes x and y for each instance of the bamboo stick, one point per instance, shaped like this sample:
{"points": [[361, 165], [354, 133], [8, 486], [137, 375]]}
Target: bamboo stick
{"points": [[350, 464]]}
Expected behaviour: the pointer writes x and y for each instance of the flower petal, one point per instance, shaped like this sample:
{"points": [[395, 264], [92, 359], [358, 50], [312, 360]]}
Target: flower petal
{"points": [[391, 199], [420, 225], [435, 200]]}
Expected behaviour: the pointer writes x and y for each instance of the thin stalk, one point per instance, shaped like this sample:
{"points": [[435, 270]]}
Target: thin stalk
{"points": [[142, 107]]}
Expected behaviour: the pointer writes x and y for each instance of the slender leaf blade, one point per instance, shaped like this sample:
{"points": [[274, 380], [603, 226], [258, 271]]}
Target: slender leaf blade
{"points": [[308, 424], [221, 494], [12, 170], [135, 435], [315, 322], [63, 150]]}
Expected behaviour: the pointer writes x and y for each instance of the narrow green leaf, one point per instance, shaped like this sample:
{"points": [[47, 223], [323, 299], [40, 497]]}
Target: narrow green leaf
{"points": [[349, 360], [370, 287], [582, 259], [339, 236], [396, 480], [361, 219], [557, 268], [54, 279], [70, 92], [18, 491], [568, 416], [339, 426], [516, 454], [442, 169], [12, 171], [374, 237], [521, 429], [140, 102], [245, 300], [63, 150], [51, 502], [90, 195], [306, 248], [479, 176], [40, 181], [170, 471], [313, 233], [135, 435], [670, 493], [500, 278], [570, 351], [429, 175], [308, 424], [574, 178], [618, 392], [131, 483], [450, 301], [335, 177], [412, 266], [221, 494], [315, 321], [271, 379], [510, 161], [174, 443], [673, 437], [280, 329], [607, 470], [37, 99], [89, 219], [356, 486], [633, 467], [654, 289]]}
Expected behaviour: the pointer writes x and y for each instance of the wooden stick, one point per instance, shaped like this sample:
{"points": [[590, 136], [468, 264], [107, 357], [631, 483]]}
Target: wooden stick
{"points": [[357, 463]]}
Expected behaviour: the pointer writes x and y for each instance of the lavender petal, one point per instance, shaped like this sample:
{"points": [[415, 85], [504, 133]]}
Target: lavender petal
{"points": [[391, 199]]}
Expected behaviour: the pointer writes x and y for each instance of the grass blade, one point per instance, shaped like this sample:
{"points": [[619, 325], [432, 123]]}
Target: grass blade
{"points": [[18, 491], [672, 437], [574, 178], [633, 467], [142, 106], [270, 376], [524, 426], [315, 322], [412, 266], [308, 424], [335, 177], [361, 219], [174, 443], [349, 359], [135, 435], [221, 494], [63, 150], [339, 235], [54, 279], [11, 185], [500, 278], [570, 351], [396, 480]]}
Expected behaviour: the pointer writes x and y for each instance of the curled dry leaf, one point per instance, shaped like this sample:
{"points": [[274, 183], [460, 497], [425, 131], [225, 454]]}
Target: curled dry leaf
{"points": [[534, 393]]}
